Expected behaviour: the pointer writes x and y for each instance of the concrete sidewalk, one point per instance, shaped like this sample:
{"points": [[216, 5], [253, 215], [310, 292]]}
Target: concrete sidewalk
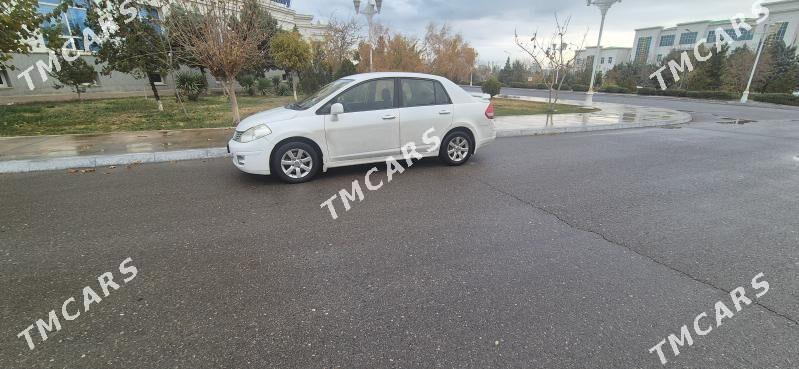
{"points": [[36, 153]]}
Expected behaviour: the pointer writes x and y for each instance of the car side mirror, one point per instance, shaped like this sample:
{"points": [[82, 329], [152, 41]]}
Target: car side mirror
{"points": [[336, 109]]}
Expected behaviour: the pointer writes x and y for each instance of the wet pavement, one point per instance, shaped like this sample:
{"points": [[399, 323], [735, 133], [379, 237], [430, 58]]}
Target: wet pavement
{"points": [[610, 116], [85, 145], [129, 144]]}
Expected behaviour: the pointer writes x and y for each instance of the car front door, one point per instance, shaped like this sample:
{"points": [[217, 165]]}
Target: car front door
{"points": [[424, 104], [369, 126]]}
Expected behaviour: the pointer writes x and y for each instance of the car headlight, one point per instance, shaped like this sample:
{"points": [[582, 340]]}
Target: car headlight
{"points": [[255, 133]]}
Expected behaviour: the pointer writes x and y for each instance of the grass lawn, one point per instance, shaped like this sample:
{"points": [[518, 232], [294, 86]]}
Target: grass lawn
{"points": [[126, 114], [505, 107], [140, 114]]}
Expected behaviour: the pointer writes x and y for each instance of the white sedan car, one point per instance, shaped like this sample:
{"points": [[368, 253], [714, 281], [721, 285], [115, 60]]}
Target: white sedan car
{"points": [[363, 119]]}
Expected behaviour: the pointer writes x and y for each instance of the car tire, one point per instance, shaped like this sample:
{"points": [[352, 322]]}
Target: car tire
{"points": [[296, 162], [456, 149]]}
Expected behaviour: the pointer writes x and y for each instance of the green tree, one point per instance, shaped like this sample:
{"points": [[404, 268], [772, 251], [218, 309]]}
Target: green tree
{"points": [[505, 74], [518, 72], [291, 54], [138, 47], [739, 66], [75, 74], [708, 75], [319, 73], [782, 73], [491, 87], [346, 69], [18, 23]]}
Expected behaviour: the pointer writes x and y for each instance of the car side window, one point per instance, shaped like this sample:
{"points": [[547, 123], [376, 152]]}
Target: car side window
{"points": [[372, 95], [442, 98], [418, 92]]}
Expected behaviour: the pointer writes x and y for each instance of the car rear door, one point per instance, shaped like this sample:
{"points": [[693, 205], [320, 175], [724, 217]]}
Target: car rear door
{"points": [[424, 104], [369, 126]]}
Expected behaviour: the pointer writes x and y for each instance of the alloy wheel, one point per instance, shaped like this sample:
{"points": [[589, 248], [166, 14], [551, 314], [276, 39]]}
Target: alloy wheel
{"points": [[458, 148], [296, 163]]}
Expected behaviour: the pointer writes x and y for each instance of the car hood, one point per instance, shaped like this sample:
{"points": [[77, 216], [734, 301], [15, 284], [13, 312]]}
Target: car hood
{"points": [[266, 117]]}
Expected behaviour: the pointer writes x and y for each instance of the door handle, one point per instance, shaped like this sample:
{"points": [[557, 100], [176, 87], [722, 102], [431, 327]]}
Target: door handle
{"points": [[389, 116], [444, 112]]}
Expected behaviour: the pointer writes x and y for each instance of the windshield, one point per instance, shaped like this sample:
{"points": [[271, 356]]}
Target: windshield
{"points": [[319, 95]]}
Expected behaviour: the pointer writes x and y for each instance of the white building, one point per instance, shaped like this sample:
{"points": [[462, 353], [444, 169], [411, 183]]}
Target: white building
{"points": [[608, 58], [652, 44]]}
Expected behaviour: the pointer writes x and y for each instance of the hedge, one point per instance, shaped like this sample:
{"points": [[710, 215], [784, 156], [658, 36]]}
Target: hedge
{"points": [[782, 99], [716, 95], [579, 88], [614, 89]]}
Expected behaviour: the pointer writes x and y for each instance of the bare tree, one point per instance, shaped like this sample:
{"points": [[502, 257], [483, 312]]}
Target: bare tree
{"points": [[554, 56], [341, 38], [222, 35]]}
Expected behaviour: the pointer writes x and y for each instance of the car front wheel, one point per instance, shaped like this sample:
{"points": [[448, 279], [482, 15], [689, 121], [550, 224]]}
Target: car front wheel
{"points": [[456, 148], [295, 162]]}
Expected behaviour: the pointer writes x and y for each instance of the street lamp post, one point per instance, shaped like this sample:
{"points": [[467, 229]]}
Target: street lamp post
{"points": [[745, 96], [604, 6], [370, 9]]}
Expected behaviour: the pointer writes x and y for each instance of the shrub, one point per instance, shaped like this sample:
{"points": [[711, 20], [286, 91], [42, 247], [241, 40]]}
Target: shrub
{"points": [[191, 84], [579, 88], [264, 86], [283, 89], [491, 87], [248, 82], [614, 89], [541, 86], [717, 95], [782, 99], [659, 92], [518, 85]]}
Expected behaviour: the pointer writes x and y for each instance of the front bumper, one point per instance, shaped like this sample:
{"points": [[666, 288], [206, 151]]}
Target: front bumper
{"points": [[251, 157]]}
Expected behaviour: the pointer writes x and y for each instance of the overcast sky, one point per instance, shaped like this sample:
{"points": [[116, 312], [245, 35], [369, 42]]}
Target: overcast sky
{"points": [[488, 24]]}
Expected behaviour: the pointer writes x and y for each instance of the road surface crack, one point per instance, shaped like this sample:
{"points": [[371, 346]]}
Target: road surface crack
{"points": [[652, 259]]}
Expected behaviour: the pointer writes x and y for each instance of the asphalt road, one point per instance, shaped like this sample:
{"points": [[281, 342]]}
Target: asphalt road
{"points": [[566, 251]]}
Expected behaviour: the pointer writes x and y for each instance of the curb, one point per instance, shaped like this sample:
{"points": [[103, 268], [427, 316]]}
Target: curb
{"points": [[606, 127], [95, 161]]}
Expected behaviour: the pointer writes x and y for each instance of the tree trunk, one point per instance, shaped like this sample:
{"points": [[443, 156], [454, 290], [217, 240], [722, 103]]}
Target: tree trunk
{"points": [[234, 104], [155, 94], [294, 79]]}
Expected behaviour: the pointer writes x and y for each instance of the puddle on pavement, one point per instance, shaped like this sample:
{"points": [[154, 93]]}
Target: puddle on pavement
{"points": [[726, 120]]}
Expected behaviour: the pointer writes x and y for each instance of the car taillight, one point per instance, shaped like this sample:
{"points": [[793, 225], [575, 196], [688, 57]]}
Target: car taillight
{"points": [[490, 111]]}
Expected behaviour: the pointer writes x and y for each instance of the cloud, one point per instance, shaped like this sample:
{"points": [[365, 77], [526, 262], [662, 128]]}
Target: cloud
{"points": [[489, 25]]}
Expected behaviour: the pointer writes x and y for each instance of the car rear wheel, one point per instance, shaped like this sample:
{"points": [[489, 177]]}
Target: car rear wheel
{"points": [[295, 162], [456, 148]]}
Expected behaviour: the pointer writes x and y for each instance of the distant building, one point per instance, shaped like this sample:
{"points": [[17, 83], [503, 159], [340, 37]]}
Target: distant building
{"points": [[608, 58], [14, 87], [652, 44]]}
